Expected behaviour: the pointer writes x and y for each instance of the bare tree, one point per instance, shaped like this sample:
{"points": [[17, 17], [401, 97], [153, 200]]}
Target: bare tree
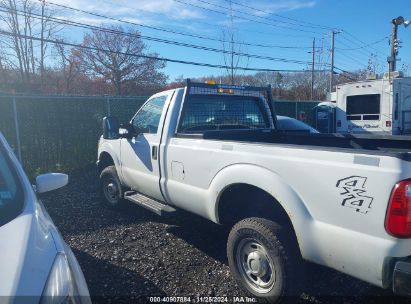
{"points": [[114, 55], [353, 76], [47, 30], [69, 64], [24, 24], [13, 25], [406, 68], [373, 67], [2, 69]]}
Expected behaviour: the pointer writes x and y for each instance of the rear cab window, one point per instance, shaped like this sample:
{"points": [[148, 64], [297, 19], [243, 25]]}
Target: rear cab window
{"points": [[11, 190], [223, 112]]}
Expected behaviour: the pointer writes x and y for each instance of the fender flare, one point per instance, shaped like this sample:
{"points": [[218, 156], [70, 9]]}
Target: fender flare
{"points": [[108, 148], [270, 182]]}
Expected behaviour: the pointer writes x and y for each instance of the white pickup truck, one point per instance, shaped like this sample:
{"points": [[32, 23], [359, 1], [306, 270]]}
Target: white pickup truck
{"points": [[214, 150]]}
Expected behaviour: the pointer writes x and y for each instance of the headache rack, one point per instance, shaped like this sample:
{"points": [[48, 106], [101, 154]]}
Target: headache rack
{"points": [[199, 88], [194, 88]]}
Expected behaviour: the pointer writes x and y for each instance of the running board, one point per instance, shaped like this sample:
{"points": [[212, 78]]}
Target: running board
{"points": [[148, 203]]}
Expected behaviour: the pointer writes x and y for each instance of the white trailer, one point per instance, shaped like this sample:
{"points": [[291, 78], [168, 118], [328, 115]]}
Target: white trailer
{"points": [[371, 106]]}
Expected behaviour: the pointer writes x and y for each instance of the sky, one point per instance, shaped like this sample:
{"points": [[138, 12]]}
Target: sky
{"points": [[282, 30]]}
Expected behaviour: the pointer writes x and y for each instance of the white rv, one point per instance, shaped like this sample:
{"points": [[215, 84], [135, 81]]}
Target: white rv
{"points": [[381, 105]]}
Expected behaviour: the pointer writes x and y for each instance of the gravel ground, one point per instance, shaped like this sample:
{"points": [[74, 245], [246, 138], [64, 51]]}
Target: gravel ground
{"points": [[131, 253]]}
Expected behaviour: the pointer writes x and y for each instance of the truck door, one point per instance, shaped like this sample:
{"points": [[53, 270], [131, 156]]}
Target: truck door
{"points": [[139, 155], [405, 108]]}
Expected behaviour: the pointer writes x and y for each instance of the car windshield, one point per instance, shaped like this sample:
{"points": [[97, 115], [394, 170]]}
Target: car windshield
{"points": [[293, 124], [11, 193]]}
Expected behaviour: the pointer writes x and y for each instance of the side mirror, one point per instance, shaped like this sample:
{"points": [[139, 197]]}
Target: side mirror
{"points": [[51, 181], [111, 128], [130, 131]]}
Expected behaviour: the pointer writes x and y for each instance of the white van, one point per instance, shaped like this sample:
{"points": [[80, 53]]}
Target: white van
{"points": [[381, 105]]}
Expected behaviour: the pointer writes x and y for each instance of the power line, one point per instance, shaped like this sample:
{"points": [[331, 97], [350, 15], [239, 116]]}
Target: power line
{"points": [[360, 51], [279, 22], [114, 31], [363, 45], [220, 26], [239, 17], [359, 40], [167, 30], [353, 59], [367, 45], [5, 33], [144, 56], [278, 15], [130, 22], [347, 62], [349, 73]]}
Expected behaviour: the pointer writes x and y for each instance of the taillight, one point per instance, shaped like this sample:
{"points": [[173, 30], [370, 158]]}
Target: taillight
{"points": [[388, 124], [398, 217]]}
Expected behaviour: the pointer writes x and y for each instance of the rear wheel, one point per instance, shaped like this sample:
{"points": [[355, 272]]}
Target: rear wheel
{"points": [[110, 187], [263, 260]]}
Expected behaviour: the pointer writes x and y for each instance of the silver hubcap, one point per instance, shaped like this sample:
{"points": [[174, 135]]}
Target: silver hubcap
{"points": [[255, 266], [111, 191]]}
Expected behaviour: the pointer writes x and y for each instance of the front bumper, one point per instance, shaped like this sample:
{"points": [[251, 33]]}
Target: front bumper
{"points": [[402, 278]]}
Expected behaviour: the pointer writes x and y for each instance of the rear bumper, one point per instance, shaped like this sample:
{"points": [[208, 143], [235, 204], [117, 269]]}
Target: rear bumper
{"points": [[402, 278]]}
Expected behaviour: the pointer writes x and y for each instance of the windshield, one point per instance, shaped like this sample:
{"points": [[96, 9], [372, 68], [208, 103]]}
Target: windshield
{"points": [[293, 124], [11, 193]]}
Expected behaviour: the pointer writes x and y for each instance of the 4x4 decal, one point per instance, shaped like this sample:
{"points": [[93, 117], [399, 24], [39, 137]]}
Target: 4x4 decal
{"points": [[355, 193]]}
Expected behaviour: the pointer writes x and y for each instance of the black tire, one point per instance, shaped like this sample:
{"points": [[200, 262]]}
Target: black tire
{"points": [[111, 190], [271, 258]]}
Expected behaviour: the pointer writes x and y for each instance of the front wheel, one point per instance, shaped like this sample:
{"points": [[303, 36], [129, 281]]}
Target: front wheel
{"points": [[263, 260], [110, 187]]}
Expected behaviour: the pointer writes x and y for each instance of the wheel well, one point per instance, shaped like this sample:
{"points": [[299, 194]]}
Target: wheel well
{"points": [[105, 160], [241, 201]]}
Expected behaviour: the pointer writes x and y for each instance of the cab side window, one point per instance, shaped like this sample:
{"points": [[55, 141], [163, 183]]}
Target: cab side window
{"points": [[148, 118]]}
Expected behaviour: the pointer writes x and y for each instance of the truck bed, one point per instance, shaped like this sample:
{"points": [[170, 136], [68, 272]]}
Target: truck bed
{"points": [[397, 146]]}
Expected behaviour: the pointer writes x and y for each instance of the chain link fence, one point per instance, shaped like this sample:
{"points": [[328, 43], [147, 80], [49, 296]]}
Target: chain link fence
{"points": [[60, 133], [301, 109]]}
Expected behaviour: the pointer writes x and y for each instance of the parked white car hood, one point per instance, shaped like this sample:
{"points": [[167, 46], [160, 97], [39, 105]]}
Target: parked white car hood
{"points": [[27, 252]]}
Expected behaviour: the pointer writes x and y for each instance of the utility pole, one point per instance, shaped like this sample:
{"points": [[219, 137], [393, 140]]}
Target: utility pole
{"points": [[394, 50], [395, 43], [312, 70], [332, 61], [232, 43]]}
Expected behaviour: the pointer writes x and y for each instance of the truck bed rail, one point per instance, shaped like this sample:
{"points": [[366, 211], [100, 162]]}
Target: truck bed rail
{"points": [[399, 146]]}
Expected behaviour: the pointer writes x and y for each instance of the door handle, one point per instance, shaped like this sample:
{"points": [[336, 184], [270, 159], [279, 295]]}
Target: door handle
{"points": [[154, 152]]}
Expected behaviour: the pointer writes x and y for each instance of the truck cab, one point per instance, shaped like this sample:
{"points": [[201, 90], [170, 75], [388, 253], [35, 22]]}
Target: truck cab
{"points": [[286, 195]]}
